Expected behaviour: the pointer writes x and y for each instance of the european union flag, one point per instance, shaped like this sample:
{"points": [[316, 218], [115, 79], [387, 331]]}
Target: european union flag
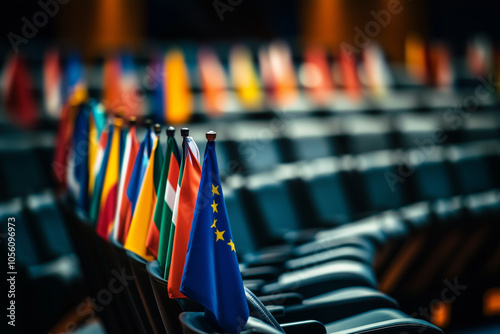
{"points": [[211, 274]]}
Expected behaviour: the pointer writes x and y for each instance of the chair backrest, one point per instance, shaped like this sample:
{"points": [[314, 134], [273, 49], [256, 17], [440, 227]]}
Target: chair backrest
{"points": [[148, 320], [471, 168], [170, 309], [146, 291], [482, 126], [27, 254], [416, 129], [195, 323], [379, 177], [242, 234], [432, 177], [311, 138], [257, 145], [367, 133], [47, 222], [274, 203], [326, 186]]}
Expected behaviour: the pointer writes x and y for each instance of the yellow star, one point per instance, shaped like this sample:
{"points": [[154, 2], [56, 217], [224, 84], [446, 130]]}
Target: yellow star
{"points": [[230, 243], [215, 190], [214, 206], [219, 235], [213, 225]]}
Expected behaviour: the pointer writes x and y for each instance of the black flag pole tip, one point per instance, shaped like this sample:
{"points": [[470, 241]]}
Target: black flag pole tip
{"points": [[148, 122], [211, 135], [132, 120], [157, 128], [170, 131], [185, 132]]}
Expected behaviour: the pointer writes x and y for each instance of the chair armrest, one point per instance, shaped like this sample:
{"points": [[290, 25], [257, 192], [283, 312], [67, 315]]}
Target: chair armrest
{"points": [[277, 311], [285, 299], [308, 326], [267, 273]]}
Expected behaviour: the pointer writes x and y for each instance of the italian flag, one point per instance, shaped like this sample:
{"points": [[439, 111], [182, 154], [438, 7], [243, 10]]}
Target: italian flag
{"points": [[159, 228]]}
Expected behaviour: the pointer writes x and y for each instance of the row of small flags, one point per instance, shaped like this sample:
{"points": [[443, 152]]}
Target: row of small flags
{"points": [[158, 205], [273, 80]]}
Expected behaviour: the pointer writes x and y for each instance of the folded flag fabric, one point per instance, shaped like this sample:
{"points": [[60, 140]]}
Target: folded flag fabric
{"points": [[109, 194], [211, 273], [17, 93], [189, 181], [165, 214], [244, 77], [177, 96], [213, 81], [139, 226], [123, 214], [140, 165], [317, 75], [76, 87], [164, 203], [63, 142], [52, 83], [97, 124], [100, 172], [78, 172]]}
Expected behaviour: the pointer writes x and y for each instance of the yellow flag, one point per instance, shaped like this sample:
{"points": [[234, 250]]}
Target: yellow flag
{"points": [[136, 239], [178, 97]]}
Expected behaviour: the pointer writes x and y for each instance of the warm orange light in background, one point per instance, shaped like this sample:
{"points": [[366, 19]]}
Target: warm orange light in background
{"points": [[491, 302], [441, 314], [99, 27], [329, 23]]}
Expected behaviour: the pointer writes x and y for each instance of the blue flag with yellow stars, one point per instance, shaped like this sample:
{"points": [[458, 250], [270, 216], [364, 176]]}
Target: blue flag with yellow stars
{"points": [[211, 273]]}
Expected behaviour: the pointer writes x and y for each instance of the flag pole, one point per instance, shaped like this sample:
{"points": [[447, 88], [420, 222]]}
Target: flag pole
{"points": [[132, 121], [157, 129], [211, 135], [170, 131]]}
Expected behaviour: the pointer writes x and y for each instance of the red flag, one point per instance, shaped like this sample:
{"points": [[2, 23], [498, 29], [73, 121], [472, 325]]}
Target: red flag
{"points": [[17, 94]]}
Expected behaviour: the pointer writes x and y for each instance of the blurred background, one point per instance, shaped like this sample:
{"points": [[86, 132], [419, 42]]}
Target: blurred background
{"points": [[326, 112]]}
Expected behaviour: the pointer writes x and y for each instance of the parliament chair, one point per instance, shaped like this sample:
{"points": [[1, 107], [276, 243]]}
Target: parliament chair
{"points": [[147, 299], [145, 318], [48, 225], [169, 309], [381, 320], [282, 256], [330, 306], [378, 179], [481, 125], [45, 288], [327, 184], [18, 158], [95, 266], [257, 144], [366, 133], [312, 138], [421, 130], [270, 203]]}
